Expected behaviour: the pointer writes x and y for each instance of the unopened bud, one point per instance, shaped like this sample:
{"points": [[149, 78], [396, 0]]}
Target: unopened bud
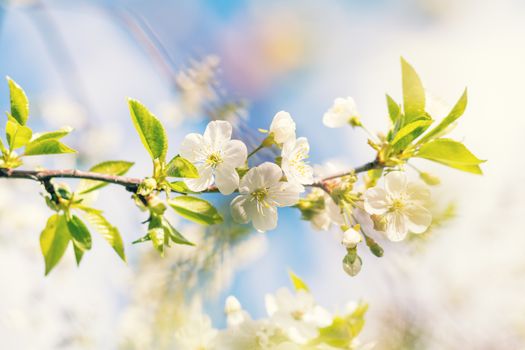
{"points": [[147, 186], [351, 238], [352, 264], [430, 180]]}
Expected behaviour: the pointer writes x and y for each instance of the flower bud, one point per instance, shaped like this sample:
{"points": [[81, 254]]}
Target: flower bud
{"points": [[147, 186], [430, 180], [352, 264], [282, 128], [351, 237]]}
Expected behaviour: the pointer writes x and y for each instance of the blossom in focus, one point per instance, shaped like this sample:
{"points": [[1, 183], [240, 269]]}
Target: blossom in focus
{"points": [[215, 155], [341, 112], [282, 127], [298, 315], [261, 192], [401, 204], [293, 162]]}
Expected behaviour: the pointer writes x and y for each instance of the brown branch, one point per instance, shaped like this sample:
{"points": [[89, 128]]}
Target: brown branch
{"points": [[131, 184]]}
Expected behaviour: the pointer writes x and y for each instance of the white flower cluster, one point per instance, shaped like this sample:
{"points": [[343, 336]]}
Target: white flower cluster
{"points": [[294, 322], [263, 188]]}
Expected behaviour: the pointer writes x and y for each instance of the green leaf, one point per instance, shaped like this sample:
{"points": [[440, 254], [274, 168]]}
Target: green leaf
{"points": [[413, 94], [150, 129], [54, 240], [454, 114], [451, 153], [79, 253], [174, 234], [181, 167], [108, 231], [297, 282], [409, 133], [180, 187], [393, 109], [195, 209], [17, 135], [79, 233], [52, 135], [343, 330], [46, 147], [19, 102], [117, 167]]}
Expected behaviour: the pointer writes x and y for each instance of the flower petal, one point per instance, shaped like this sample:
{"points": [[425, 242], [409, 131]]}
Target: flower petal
{"points": [[238, 210], [396, 226], [376, 201], [283, 127], [204, 180], [418, 193], [418, 218], [226, 179], [284, 194], [396, 183], [193, 148], [264, 218], [266, 175], [234, 153], [217, 133], [334, 120]]}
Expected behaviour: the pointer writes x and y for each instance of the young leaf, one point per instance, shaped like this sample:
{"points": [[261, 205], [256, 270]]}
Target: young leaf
{"points": [[79, 233], [117, 167], [181, 167], [451, 153], [54, 240], [195, 209], [52, 135], [79, 253], [150, 129], [175, 235], [46, 147], [109, 232], [17, 135], [409, 133], [180, 187], [413, 94], [19, 102], [393, 109], [297, 282], [454, 114]]}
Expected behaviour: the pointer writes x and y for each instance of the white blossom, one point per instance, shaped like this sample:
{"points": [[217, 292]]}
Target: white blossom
{"points": [[261, 192], [293, 162], [215, 156], [196, 334], [329, 215], [340, 113], [298, 315], [235, 315], [251, 334], [401, 204], [351, 238], [282, 127]]}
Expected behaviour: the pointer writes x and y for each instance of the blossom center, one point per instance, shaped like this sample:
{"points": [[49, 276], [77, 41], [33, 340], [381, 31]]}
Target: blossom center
{"points": [[260, 194], [214, 159], [297, 315], [397, 205]]}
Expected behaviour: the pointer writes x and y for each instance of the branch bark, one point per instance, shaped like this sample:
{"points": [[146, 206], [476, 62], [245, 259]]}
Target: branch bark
{"points": [[131, 184]]}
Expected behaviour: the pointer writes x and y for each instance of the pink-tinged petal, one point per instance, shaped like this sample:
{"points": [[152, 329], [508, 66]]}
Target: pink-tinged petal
{"points": [[396, 226], [204, 180], [217, 133], [284, 194], [264, 218], [418, 193], [418, 218], [396, 183], [238, 210], [376, 201], [193, 148], [234, 153], [226, 179]]}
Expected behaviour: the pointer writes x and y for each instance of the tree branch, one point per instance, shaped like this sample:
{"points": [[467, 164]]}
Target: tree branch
{"points": [[131, 184]]}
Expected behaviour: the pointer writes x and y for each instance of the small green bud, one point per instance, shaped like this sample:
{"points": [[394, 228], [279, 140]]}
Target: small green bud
{"points": [[63, 191], [156, 205], [352, 264], [147, 186], [355, 121]]}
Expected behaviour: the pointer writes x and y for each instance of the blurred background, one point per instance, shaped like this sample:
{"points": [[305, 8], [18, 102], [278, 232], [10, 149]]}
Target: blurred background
{"points": [[461, 287]]}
